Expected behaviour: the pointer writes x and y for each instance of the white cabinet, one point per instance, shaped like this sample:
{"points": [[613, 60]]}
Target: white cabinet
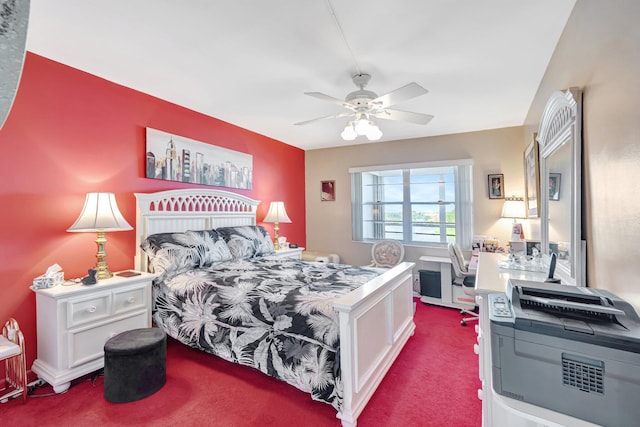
{"points": [[295, 253], [75, 321]]}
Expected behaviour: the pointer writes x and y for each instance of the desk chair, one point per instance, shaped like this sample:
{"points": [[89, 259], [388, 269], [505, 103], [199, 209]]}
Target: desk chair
{"points": [[386, 253], [12, 352], [464, 278]]}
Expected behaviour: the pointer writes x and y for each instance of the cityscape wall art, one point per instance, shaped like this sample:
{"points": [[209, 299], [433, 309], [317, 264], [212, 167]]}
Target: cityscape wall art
{"points": [[176, 158]]}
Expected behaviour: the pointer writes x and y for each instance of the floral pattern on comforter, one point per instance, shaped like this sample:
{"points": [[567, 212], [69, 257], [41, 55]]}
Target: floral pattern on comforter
{"points": [[274, 314]]}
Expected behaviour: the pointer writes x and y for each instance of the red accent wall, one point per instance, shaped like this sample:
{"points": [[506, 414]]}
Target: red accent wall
{"points": [[70, 133]]}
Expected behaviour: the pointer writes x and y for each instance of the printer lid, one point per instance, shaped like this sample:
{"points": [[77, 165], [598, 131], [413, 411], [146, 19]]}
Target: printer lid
{"points": [[578, 313]]}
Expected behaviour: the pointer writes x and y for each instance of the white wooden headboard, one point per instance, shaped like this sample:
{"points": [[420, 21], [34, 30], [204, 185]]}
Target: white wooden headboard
{"points": [[188, 209]]}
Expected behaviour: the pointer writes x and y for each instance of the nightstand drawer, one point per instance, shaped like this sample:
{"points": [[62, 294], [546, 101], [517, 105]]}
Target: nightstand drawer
{"points": [[129, 300], [87, 344], [87, 310]]}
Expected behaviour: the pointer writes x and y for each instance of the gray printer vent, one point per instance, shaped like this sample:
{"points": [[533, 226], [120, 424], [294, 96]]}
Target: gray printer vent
{"points": [[583, 374]]}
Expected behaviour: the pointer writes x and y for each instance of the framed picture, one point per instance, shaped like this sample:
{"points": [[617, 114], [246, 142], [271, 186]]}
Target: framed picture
{"points": [[554, 186], [496, 186], [530, 245], [177, 158], [532, 178], [328, 191]]}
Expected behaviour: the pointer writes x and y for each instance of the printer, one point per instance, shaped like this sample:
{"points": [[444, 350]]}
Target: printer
{"points": [[572, 350]]}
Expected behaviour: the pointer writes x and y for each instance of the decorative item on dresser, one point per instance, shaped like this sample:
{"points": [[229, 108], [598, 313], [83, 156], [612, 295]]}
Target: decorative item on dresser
{"points": [[362, 301], [99, 214], [75, 321]]}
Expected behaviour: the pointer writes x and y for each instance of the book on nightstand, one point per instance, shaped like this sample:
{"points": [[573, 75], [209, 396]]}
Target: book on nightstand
{"points": [[128, 273]]}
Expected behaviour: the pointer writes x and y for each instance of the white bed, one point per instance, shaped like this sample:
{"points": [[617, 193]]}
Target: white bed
{"points": [[375, 320]]}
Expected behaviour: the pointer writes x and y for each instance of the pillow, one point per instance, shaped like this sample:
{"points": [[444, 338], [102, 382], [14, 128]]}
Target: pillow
{"points": [[211, 247], [174, 253], [247, 241]]}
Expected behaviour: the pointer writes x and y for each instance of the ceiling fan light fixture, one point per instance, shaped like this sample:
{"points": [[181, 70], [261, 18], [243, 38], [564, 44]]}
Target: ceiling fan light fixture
{"points": [[362, 124], [374, 133], [349, 134], [363, 105]]}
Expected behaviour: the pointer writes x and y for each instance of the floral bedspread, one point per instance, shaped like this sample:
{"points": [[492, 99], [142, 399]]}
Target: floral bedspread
{"points": [[274, 314]]}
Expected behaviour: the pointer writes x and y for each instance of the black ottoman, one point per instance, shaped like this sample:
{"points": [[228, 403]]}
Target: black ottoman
{"points": [[134, 364]]}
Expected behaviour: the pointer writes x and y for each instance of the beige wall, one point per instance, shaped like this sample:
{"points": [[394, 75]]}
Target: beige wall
{"points": [[329, 223], [600, 52]]}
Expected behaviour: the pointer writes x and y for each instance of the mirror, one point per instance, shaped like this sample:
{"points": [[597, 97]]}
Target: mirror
{"points": [[13, 37], [560, 145]]}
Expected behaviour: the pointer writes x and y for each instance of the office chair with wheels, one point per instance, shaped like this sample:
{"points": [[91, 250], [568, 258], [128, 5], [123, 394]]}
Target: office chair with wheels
{"points": [[464, 278], [386, 253]]}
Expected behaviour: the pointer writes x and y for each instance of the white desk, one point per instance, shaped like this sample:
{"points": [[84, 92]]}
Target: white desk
{"points": [[451, 295], [498, 410]]}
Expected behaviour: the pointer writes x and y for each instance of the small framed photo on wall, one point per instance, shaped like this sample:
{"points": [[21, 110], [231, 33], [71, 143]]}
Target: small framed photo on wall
{"points": [[328, 191], [496, 186]]}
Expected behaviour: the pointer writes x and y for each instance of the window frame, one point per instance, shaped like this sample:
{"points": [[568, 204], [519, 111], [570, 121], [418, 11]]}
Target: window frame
{"points": [[463, 203]]}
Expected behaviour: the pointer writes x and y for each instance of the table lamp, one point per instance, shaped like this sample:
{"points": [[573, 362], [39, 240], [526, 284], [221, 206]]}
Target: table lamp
{"points": [[514, 208], [276, 214], [100, 214]]}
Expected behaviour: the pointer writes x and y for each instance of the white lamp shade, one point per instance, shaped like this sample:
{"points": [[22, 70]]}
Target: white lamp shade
{"points": [[277, 213], [100, 213], [348, 134], [362, 126], [514, 208], [374, 133]]}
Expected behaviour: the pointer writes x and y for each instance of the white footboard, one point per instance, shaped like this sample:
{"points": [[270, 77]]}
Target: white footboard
{"points": [[376, 320]]}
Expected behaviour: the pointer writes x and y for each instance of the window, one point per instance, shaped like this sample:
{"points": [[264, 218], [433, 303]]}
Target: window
{"points": [[417, 204]]}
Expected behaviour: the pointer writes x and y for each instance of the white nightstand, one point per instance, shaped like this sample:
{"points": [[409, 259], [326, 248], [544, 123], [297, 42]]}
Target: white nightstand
{"points": [[295, 253], [75, 321]]}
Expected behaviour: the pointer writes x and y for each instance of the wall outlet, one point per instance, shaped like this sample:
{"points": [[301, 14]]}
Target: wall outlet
{"points": [[416, 283]]}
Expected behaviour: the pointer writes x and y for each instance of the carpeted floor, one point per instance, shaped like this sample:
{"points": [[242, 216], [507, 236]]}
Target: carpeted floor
{"points": [[434, 382]]}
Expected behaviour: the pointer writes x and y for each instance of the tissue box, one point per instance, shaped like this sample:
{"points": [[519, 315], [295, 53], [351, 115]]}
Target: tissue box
{"points": [[42, 282]]}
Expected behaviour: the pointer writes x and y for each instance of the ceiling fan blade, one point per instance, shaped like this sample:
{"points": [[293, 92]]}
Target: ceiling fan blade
{"points": [[328, 98], [399, 95], [404, 116], [333, 116]]}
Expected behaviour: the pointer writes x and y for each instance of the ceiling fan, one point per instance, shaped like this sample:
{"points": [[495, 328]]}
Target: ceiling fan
{"points": [[364, 105]]}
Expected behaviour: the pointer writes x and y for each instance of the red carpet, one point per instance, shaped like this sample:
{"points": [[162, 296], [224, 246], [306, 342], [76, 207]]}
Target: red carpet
{"points": [[434, 382]]}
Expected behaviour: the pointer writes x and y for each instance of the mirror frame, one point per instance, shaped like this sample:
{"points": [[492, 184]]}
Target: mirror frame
{"points": [[13, 38], [562, 124]]}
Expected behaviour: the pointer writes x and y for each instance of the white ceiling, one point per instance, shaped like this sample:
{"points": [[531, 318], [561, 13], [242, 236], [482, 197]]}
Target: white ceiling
{"points": [[250, 62]]}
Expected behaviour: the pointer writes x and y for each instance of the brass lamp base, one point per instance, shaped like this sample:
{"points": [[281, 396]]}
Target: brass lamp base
{"points": [[276, 243], [101, 265]]}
